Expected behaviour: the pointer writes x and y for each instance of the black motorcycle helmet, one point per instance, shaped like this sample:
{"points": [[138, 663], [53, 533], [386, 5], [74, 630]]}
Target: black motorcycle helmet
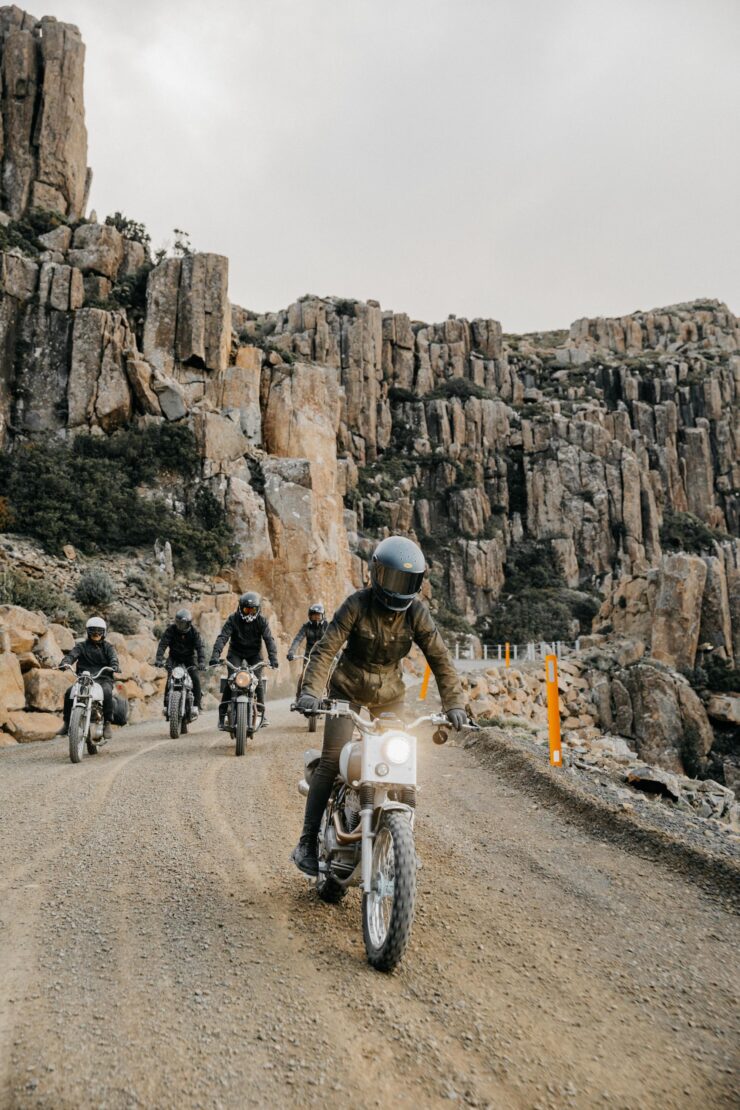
{"points": [[316, 613], [397, 572], [183, 620], [249, 606]]}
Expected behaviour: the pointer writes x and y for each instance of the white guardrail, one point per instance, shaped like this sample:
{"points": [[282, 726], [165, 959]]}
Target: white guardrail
{"points": [[518, 653]]}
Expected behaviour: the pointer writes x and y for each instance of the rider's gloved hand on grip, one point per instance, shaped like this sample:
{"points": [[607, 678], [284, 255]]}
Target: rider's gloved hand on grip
{"points": [[307, 703], [291, 656], [213, 663], [274, 664], [458, 718]]}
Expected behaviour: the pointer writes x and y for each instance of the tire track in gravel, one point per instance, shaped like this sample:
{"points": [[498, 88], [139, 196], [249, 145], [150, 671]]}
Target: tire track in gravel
{"points": [[164, 952]]}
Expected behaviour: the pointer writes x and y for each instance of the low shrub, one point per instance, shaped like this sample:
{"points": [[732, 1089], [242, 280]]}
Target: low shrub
{"points": [[123, 620], [17, 588], [685, 532], [531, 614], [462, 388], [95, 589], [129, 229]]}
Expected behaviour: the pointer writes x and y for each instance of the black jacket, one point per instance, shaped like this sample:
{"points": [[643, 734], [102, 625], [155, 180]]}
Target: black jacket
{"points": [[310, 631], [91, 657], [245, 639], [185, 647]]}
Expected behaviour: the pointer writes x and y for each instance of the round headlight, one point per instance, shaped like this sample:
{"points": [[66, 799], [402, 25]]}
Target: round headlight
{"points": [[242, 679], [397, 748]]}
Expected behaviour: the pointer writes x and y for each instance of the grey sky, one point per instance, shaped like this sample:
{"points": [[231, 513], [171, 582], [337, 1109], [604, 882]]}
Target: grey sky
{"points": [[529, 160]]}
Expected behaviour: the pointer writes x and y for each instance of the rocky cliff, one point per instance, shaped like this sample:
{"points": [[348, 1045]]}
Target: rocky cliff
{"points": [[550, 477]]}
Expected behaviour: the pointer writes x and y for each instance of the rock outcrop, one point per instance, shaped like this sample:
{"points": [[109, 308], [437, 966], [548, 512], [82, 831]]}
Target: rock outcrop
{"points": [[44, 139]]}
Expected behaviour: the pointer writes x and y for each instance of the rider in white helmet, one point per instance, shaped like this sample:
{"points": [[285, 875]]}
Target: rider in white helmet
{"points": [[91, 654]]}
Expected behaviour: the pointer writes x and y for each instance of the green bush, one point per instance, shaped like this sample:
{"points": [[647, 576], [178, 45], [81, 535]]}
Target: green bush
{"points": [[89, 494], [129, 229], [462, 388], [17, 588], [399, 393], [95, 589], [721, 677], [531, 614], [123, 620], [685, 532]]}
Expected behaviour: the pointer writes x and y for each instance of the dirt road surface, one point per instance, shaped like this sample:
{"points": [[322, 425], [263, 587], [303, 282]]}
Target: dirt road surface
{"points": [[157, 948]]}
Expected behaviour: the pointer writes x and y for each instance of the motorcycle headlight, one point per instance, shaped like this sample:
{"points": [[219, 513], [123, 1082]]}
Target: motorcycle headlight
{"points": [[397, 748], [242, 679]]}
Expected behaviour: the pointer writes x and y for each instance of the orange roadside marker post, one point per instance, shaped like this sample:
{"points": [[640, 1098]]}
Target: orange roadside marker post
{"points": [[507, 656], [425, 682], [553, 710]]}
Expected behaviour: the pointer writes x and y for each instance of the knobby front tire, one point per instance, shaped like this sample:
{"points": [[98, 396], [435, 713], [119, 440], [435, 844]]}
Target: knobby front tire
{"points": [[77, 734], [388, 911]]}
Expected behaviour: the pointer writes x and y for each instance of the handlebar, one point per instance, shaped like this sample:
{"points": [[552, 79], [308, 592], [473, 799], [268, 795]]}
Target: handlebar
{"points": [[330, 708], [246, 666], [69, 667]]}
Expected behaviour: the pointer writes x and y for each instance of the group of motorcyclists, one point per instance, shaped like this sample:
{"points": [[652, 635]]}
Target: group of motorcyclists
{"points": [[369, 635]]}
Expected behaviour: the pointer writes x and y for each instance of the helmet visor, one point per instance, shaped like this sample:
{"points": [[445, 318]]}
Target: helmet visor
{"points": [[403, 583], [181, 624], [95, 633], [249, 610]]}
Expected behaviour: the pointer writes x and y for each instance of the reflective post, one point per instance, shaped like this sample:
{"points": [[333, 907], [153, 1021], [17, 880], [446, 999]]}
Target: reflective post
{"points": [[553, 710], [425, 682], [507, 655]]}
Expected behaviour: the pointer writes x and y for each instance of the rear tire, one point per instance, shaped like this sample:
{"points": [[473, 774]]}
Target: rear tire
{"points": [[185, 719], [388, 911], [77, 734], [312, 723], [240, 727], [173, 712]]}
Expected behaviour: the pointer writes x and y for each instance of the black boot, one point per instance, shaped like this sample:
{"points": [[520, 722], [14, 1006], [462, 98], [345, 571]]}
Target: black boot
{"points": [[304, 855]]}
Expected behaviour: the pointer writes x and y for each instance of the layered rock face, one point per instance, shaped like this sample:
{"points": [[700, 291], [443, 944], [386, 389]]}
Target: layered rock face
{"points": [[44, 139], [324, 426]]}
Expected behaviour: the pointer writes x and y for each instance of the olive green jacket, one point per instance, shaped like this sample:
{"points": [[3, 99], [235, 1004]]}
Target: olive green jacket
{"points": [[375, 640]]}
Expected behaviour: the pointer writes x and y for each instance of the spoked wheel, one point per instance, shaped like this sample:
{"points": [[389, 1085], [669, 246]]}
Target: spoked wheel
{"points": [[327, 887], [388, 911], [241, 727], [77, 734], [312, 722], [173, 712]]}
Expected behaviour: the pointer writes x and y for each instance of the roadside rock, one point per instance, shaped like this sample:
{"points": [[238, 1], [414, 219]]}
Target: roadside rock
{"points": [[678, 609], [29, 727], [12, 690], [45, 689]]}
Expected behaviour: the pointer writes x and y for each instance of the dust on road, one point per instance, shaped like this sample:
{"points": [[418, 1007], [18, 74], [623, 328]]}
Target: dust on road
{"points": [[159, 950]]}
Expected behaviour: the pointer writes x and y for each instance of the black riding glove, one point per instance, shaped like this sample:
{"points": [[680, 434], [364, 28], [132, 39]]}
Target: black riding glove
{"points": [[458, 718], [213, 663], [307, 703], [291, 656], [274, 664]]}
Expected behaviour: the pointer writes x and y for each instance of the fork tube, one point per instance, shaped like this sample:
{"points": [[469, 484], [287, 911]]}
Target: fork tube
{"points": [[366, 824]]}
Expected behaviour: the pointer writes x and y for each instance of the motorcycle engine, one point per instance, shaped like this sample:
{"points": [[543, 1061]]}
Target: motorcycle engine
{"points": [[351, 809]]}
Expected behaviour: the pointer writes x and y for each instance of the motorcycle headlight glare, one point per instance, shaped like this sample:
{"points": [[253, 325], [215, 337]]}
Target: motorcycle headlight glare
{"points": [[242, 679], [397, 748]]}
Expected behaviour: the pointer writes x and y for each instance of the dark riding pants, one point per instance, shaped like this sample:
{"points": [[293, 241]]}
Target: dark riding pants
{"points": [[195, 676], [107, 685], [337, 731]]}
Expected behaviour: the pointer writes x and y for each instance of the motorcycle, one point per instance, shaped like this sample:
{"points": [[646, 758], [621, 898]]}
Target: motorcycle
{"points": [[180, 711], [366, 835], [86, 719], [243, 713]]}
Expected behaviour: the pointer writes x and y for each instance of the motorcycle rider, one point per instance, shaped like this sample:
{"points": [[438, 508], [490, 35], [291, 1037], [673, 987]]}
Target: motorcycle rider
{"points": [[376, 627], [311, 632], [186, 648], [91, 654], [245, 630]]}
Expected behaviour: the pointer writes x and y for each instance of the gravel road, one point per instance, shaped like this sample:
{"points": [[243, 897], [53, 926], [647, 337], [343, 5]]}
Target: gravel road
{"points": [[157, 948]]}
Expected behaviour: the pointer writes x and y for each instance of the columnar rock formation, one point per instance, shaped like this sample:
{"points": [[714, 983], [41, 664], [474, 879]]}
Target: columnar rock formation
{"points": [[44, 139], [325, 425]]}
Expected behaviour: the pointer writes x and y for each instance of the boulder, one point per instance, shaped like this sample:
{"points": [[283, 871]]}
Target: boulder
{"points": [[28, 727], [678, 606], [98, 249], [12, 690], [724, 708], [47, 650], [23, 626], [45, 689], [219, 438], [63, 636]]}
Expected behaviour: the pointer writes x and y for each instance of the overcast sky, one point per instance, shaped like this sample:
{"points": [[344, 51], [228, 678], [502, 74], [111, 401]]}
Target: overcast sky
{"points": [[530, 160]]}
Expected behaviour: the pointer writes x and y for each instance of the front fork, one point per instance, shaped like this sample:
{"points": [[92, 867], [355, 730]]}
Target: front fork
{"points": [[366, 826]]}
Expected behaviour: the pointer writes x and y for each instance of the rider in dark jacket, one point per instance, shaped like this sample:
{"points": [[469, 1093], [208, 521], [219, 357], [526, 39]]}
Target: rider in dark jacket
{"points": [[92, 654], [245, 630], [377, 628], [311, 632], [186, 648]]}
